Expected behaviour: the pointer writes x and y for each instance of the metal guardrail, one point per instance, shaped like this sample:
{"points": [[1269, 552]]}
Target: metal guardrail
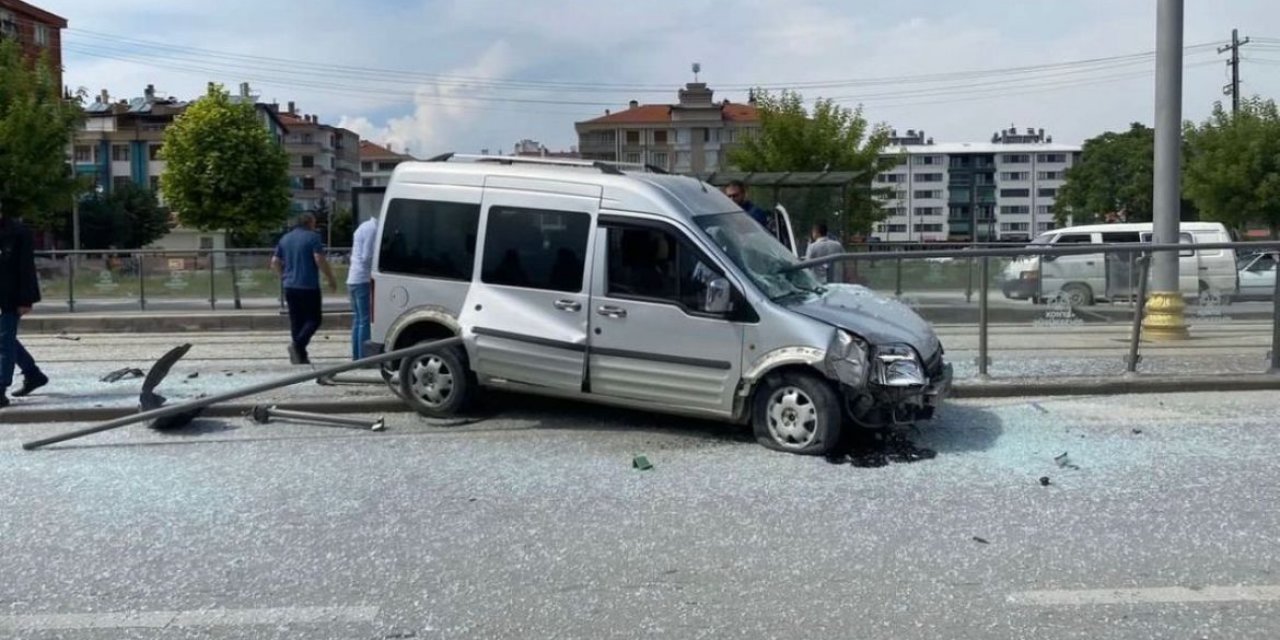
{"points": [[151, 272], [1139, 252]]}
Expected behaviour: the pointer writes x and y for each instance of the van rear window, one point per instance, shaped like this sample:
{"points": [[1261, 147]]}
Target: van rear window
{"points": [[430, 239]]}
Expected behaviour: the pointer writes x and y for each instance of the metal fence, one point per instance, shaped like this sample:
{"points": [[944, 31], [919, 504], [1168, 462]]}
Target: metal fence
{"points": [[120, 280]]}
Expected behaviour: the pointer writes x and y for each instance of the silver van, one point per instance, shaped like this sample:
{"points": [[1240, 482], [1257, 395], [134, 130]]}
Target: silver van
{"points": [[596, 282]]}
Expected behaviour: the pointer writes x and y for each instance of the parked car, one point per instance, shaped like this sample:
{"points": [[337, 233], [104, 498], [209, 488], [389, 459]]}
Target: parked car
{"points": [[641, 290], [1257, 276], [1086, 278]]}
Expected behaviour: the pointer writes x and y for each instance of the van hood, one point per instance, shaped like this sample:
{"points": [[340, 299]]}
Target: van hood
{"points": [[878, 319]]}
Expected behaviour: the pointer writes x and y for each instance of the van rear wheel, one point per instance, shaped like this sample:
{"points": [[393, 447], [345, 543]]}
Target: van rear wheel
{"points": [[437, 384], [1078, 295], [797, 413]]}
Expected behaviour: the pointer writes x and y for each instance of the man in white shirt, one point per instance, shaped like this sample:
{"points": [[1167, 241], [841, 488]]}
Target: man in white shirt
{"points": [[363, 245], [822, 245]]}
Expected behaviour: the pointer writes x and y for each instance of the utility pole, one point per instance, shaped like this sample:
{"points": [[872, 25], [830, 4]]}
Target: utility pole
{"points": [[1233, 89], [1165, 318]]}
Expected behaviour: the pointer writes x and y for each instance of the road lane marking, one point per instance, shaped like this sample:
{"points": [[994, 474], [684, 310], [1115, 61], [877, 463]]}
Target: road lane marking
{"points": [[192, 618], [1153, 595]]}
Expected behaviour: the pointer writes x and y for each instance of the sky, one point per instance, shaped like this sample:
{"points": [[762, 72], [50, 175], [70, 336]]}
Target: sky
{"points": [[464, 75]]}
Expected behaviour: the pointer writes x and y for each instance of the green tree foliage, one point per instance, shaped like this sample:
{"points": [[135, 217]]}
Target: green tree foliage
{"points": [[344, 227], [1115, 174], [1232, 172], [224, 171], [829, 138], [36, 127], [127, 218]]}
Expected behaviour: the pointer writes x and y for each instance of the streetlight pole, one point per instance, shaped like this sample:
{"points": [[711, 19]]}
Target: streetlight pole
{"points": [[1165, 319]]}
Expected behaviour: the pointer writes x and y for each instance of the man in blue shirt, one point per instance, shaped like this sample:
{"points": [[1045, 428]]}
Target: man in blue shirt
{"points": [[737, 192], [300, 259]]}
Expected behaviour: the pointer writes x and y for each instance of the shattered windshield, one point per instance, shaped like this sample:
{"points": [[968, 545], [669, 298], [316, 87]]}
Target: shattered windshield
{"points": [[754, 250]]}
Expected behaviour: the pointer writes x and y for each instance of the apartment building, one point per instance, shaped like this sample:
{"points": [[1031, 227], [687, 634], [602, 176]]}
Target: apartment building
{"points": [[533, 149], [323, 162], [377, 163], [693, 135], [1002, 190], [39, 32]]}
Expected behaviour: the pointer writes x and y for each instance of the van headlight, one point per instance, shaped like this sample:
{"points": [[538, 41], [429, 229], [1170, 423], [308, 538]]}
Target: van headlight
{"points": [[898, 366]]}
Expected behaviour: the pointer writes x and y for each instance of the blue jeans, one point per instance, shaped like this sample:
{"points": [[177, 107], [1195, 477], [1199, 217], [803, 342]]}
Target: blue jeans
{"points": [[12, 352], [360, 302]]}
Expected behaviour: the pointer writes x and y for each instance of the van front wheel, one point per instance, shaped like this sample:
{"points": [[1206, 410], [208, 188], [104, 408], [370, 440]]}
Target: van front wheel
{"points": [[437, 384], [797, 413]]}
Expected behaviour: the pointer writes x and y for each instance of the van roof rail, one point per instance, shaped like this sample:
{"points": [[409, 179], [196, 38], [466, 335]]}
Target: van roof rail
{"points": [[609, 167]]}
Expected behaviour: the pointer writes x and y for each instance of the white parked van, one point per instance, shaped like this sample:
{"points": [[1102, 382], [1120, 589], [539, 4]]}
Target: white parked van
{"points": [[581, 280], [1084, 279]]}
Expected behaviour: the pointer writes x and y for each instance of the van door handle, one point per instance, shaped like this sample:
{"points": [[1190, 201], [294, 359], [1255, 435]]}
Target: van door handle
{"points": [[612, 312], [569, 305]]}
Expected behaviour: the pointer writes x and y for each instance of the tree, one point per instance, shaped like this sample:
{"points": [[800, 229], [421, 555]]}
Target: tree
{"points": [[36, 127], [832, 138], [224, 171], [1232, 171], [127, 218], [343, 227], [1115, 175]]}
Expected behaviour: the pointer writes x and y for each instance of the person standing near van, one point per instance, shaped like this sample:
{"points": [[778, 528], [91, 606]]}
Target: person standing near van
{"points": [[19, 291], [822, 245], [299, 259], [358, 278], [737, 192]]}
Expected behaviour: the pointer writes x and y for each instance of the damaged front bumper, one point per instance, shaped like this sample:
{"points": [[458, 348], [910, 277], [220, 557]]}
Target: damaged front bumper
{"points": [[888, 384]]}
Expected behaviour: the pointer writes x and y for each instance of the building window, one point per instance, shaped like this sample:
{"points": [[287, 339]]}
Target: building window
{"points": [[1014, 210], [308, 184], [83, 153], [633, 137], [631, 157], [308, 162], [711, 160], [730, 135], [1045, 226], [8, 24], [891, 178], [535, 248], [1053, 157], [659, 159], [929, 177], [928, 211], [387, 166], [42, 35], [927, 194], [682, 160], [1015, 226], [1015, 193], [928, 160], [366, 166], [366, 182], [1017, 158], [897, 228], [1015, 176], [120, 152], [154, 152], [901, 161], [1052, 175], [684, 136], [1048, 193], [660, 136], [896, 212], [1044, 209], [120, 182], [928, 228], [307, 139]]}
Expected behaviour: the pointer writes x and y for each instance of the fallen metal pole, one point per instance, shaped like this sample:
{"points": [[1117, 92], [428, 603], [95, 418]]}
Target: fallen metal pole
{"points": [[263, 415], [163, 412], [1131, 364]]}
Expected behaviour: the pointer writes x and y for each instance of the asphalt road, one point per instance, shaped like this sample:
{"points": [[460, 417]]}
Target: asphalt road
{"points": [[532, 523]]}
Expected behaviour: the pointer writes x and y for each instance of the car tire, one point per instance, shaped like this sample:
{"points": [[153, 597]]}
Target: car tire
{"points": [[1078, 294], [797, 413], [437, 384]]}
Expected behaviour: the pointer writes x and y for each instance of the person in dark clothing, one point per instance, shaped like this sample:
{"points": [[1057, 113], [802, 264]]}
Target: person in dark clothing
{"points": [[299, 259], [737, 192], [19, 291]]}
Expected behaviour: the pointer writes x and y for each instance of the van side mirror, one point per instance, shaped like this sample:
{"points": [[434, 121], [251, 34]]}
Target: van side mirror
{"points": [[719, 296]]}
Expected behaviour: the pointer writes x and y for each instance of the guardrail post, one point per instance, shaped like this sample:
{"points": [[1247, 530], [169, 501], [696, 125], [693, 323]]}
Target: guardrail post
{"points": [[71, 282], [1135, 338], [897, 278], [1275, 328], [213, 282], [235, 281], [984, 360], [968, 280], [140, 261]]}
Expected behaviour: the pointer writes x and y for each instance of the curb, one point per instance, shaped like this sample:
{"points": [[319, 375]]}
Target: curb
{"points": [[1120, 385]]}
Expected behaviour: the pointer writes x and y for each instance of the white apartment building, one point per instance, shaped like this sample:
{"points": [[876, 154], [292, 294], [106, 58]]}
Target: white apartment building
{"points": [[1005, 188]]}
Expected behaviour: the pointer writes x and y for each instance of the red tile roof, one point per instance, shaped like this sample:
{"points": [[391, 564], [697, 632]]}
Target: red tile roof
{"points": [[42, 16], [372, 150], [657, 113]]}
